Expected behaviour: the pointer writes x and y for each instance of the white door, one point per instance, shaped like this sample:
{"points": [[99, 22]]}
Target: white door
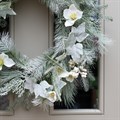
{"points": [[32, 31]]}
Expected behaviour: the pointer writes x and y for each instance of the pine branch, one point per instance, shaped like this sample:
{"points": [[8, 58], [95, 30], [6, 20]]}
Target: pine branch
{"points": [[56, 6], [68, 94], [6, 43]]}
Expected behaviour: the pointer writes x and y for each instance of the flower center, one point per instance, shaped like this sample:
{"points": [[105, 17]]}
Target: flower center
{"points": [[59, 70], [52, 95], [73, 16], [71, 77], [1, 62]]}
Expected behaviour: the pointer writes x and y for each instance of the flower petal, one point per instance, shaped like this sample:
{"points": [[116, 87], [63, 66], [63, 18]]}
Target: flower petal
{"points": [[29, 85], [3, 55], [76, 69], [70, 79], [0, 68], [52, 96], [45, 85], [64, 75], [79, 14], [67, 13], [69, 23], [82, 37], [61, 84], [75, 51], [71, 40], [39, 91], [72, 7], [8, 62], [79, 30]]}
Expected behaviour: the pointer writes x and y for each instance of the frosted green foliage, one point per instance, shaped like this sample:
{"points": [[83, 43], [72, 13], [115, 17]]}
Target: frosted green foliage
{"points": [[11, 81], [68, 94], [7, 46], [56, 5], [20, 60], [88, 57], [35, 67], [6, 43], [16, 85], [6, 76]]}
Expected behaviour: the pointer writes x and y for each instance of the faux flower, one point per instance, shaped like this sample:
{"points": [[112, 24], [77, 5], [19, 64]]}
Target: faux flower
{"points": [[6, 61], [83, 72], [52, 96], [76, 51], [79, 32], [72, 15], [76, 69], [72, 63], [70, 76], [83, 69], [41, 89], [44, 90]]}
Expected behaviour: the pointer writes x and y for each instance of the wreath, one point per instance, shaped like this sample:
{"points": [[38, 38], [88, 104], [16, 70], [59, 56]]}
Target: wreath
{"points": [[56, 74]]}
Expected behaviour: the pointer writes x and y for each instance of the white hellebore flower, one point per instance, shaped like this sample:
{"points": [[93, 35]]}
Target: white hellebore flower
{"points": [[76, 51], [70, 76], [72, 63], [76, 69], [52, 96], [44, 90], [72, 15], [6, 61], [79, 32], [83, 72]]}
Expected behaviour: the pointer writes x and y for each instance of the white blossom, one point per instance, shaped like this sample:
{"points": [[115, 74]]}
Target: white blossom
{"points": [[76, 69], [44, 90], [6, 61], [83, 72], [52, 96], [79, 32], [41, 89], [76, 51], [72, 15], [70, 76], [72, 63]]}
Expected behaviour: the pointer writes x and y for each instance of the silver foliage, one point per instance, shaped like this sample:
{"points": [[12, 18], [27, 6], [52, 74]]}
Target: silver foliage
{"points": [[56, 5], [6, 43], [35, 67], [16, 85]]}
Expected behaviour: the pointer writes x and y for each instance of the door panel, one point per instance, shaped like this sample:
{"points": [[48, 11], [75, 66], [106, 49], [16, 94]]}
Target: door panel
{"points": [[31, 27], [26, 41]]}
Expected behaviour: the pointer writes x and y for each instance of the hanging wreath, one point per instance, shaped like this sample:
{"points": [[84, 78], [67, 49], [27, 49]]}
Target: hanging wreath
{"points": [[44, 79]]}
